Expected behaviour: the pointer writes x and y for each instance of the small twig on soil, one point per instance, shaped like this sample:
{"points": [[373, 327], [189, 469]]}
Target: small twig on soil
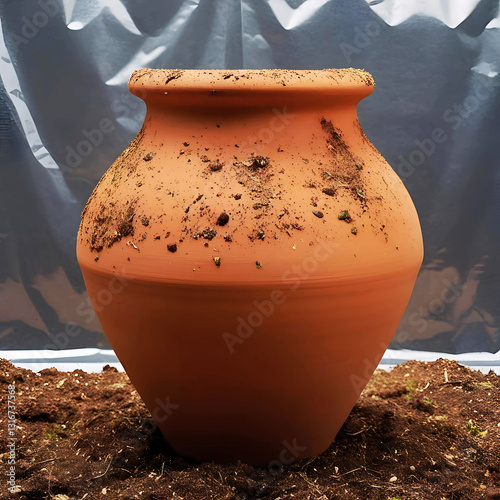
{"points": [[221, 478], [351, 471], [446, 376], [359, 432], [92, 420], [45, 461], [162, 469], [121, 468], [105, 472]]}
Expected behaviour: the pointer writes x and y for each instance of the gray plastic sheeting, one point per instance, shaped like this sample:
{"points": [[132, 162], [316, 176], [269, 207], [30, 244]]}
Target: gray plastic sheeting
{"points": [[434, 115]]}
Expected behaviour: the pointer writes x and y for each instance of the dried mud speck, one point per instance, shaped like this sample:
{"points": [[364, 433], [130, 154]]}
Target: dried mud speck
{"points": [[354, 230], [110, 225], [172, 247], [329, 191], [344, 215], [318, 213], [258, 206], [148, 157], [258, 264], [223, 219], [216, 166]]}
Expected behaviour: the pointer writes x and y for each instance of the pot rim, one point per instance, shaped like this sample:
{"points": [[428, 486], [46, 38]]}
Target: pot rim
{"points": [[326, 81]]}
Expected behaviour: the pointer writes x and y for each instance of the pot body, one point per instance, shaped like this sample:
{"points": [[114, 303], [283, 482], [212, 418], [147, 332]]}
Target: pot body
{"points": [[249, 256]]}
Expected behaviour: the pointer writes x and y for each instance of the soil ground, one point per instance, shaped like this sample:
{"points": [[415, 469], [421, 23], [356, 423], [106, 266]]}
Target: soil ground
{"points": [[421, 431]]}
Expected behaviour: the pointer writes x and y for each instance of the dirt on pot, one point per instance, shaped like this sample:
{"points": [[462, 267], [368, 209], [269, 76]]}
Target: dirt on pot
{"points": [[421, 431], [337, 170]]}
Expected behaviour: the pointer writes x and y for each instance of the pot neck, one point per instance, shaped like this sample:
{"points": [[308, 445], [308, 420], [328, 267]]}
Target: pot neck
{"points": [[253, 108]]}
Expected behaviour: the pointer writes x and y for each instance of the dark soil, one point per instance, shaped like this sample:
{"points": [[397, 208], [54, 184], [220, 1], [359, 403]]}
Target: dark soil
{"points": [[421, 431]]}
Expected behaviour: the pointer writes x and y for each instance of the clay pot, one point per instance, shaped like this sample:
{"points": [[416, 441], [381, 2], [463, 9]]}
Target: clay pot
{"points": [[250, 255]]}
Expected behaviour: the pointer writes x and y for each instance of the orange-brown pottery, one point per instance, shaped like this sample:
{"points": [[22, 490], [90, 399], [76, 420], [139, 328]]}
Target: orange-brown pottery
{"points": [[250, 255]]}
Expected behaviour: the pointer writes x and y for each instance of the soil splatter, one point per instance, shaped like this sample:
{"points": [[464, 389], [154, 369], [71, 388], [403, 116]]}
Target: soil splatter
{"points": [[112, 224]]}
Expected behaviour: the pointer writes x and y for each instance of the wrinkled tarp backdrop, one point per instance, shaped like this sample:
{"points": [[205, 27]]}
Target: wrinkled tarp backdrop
{"points": [[434, 115]]}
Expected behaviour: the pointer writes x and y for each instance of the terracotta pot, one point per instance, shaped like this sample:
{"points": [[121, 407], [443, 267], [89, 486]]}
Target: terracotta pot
{"points": [[250, 255]]}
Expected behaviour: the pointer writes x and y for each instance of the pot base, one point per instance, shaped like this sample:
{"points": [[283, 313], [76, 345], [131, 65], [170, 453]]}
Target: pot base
{"points": [[224, 380]]}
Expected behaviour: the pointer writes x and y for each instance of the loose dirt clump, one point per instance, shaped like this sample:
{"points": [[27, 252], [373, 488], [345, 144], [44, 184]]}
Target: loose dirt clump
{"points": [[344, 215], [173, 75], [419, 432], [216, 166], [208, 233], [253, 163], [257, 162], [223, 219]]}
